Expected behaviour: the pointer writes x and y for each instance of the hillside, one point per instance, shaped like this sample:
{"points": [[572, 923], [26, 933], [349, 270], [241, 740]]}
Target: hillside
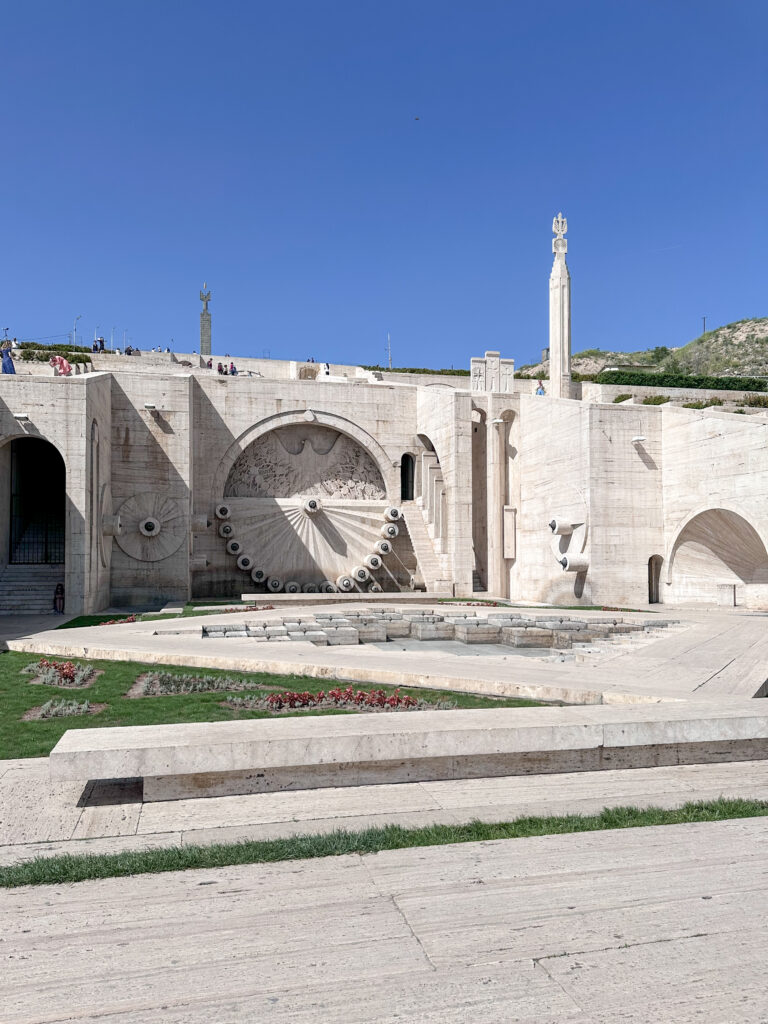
{"points": [[735, 350]]}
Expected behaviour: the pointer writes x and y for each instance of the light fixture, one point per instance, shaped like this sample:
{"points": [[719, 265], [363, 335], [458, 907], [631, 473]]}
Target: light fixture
{"points": [[497, 420], [150, 406], [22, 417], [638, 440]]}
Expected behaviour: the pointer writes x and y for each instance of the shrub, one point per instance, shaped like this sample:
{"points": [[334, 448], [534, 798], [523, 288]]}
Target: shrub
{"points": [[656, 400], [703, 405], [64, 708], [757, 401], [621, 398], [158, 684], [63, 673], [365, 700], [678, 380], [416, 369]]}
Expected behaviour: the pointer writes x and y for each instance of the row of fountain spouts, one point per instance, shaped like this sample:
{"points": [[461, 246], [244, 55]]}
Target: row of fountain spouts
{"points": [[360, 575]]}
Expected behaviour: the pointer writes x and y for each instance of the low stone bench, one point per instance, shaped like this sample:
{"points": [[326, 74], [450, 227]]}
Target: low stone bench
{"points": [[260, 755]]}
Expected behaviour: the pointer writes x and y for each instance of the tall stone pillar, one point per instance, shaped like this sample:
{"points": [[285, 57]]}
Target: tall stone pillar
{"points": [[559, 315], [494, 483], [205, 323]]}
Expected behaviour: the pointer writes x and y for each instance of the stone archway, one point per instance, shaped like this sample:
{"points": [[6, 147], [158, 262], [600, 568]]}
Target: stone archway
{"points": [[655, 563], [715, 547], [33, 523]]}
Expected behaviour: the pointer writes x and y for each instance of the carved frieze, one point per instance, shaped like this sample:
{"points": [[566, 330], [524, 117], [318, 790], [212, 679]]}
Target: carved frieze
{"points": [[305, 460]]}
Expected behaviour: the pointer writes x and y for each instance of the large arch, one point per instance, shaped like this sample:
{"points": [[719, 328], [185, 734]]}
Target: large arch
{"points": [[715, 546], [306, 418], [33, 522]]}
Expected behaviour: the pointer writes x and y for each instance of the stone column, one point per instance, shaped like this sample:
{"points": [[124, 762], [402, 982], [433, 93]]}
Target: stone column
{"points": [[495, 582], [559, 315]]}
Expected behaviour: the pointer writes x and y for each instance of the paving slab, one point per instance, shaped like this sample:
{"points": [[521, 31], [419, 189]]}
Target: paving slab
{"points": [[651, 924]]}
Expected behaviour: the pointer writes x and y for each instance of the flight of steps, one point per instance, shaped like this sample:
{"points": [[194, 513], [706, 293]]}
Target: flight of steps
{"points": [[430, 563], [477, 582], [28, 589]]}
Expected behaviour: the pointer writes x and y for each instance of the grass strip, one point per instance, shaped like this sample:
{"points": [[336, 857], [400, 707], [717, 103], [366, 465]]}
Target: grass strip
{"points": [[85, 867]]}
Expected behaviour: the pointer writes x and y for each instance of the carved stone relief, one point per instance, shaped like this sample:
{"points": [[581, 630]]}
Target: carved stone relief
{"points": [[302, 460], [153, 527]]}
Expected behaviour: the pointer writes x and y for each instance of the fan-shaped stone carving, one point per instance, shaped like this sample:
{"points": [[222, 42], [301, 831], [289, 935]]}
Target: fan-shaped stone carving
{"points": [[306, 460], [153, 527]]}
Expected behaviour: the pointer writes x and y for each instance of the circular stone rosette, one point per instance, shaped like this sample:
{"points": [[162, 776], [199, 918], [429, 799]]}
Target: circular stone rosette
{"points": [[153, 527]]}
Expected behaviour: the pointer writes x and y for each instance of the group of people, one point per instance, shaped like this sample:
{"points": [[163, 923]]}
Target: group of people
{"points": [[98, 345], [223, 370]]}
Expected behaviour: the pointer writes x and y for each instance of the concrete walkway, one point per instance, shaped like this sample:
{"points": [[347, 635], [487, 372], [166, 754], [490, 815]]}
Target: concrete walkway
{"points": [[637, 926], [714, 654], [38, 819]]}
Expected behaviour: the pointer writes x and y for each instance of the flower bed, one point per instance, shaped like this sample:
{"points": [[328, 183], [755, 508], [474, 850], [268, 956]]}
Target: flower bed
{"points": [[119, 622], [164, 684], [62, 709], [61, 673], [358, 700]]}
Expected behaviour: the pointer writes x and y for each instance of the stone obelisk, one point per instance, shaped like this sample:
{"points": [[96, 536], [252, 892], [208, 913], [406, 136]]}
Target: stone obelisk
{"points": [[559, 315], [205, 323]]}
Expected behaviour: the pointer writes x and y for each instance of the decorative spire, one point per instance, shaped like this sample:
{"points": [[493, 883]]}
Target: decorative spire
{"points": [[205, 297], [559, 228]]}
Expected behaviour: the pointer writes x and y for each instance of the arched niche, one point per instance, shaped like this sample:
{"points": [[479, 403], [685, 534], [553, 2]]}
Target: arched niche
{"points": [[713, 547], [306, 419], [407, 477]]}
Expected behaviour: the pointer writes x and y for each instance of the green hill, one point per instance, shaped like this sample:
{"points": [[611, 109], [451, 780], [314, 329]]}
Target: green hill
{"points": [[735, 350]]}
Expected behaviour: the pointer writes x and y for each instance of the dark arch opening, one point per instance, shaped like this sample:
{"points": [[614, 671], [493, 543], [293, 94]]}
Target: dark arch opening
{"points": [[654, 578], [37, 503], [406, 478]]}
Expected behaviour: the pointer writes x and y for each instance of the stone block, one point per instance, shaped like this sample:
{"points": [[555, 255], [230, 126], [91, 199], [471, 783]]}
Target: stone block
{"points": [[397, 629], [513, 636], [294, 634], [484, 633], [432, 630], [371, 632], [562, 640], [344, 636], [273, 631], [317, 637]]}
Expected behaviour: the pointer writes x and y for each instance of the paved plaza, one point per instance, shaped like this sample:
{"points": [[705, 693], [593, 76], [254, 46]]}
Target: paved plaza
{"points": [[635, 926]]}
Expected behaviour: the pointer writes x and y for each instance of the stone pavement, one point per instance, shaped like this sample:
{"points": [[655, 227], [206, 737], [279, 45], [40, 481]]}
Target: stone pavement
{"points": [[714, 654], [638, 926], [40, 819]]}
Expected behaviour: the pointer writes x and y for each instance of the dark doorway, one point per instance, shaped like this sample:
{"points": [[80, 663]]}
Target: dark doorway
{"points": [[406, 478], [654, 578], [38, 503]]}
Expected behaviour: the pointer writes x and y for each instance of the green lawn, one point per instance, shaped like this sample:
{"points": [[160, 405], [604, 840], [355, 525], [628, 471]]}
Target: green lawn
{"points": [[67, 868], [37, 738], [190, 610]]}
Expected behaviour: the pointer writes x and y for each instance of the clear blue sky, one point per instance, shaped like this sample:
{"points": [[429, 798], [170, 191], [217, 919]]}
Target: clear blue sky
{"points": [[273, 150]]}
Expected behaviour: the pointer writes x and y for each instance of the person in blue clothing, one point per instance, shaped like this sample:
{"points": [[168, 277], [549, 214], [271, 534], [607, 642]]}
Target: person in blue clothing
{"points": [[8, 366], [540, 389]]}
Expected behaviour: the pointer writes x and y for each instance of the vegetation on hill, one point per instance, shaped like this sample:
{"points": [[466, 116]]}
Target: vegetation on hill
{"points": [[739, 349]]}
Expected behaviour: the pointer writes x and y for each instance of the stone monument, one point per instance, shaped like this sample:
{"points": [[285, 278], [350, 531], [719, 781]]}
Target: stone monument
{"points": [[492, 373], [205, 323], [559, 315]]}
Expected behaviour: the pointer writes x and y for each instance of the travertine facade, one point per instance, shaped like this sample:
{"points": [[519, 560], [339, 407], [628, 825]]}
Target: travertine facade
{"points": [[183, 483]]}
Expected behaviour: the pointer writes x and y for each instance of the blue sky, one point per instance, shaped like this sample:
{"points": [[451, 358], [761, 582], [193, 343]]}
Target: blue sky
{"points": [[273, 149]]}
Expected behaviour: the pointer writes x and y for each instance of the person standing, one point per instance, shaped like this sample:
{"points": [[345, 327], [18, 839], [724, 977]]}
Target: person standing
{"points": [[8, 366]]}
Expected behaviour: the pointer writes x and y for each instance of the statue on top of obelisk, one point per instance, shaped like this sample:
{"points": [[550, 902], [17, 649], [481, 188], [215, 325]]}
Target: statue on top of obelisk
{"points": [[205, 322], [559, 314]]}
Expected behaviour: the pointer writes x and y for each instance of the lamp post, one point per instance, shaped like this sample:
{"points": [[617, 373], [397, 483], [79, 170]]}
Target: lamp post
{"points": [[112, 340], [74, 329]]}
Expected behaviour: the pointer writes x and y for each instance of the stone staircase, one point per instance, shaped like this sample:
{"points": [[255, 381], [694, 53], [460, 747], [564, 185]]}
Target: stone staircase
{"points": [[430, 562], [477, 583], [28, 589]]}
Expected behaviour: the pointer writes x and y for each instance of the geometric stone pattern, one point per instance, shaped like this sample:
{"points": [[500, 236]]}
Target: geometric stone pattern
{"points": [[545, 633]]}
